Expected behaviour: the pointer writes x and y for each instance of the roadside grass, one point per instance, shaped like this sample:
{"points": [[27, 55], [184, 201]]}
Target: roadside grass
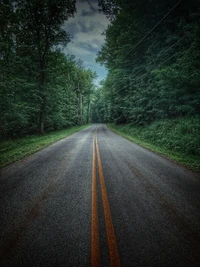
{"points": [[16, 149], [176, 139]]}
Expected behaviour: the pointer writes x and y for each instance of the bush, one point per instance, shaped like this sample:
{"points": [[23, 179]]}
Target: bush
{"points": [[179, 134]]}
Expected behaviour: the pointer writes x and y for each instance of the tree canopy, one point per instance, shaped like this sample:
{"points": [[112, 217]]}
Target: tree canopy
{"points": [[41, 89], [152, 55], [151, 51]]}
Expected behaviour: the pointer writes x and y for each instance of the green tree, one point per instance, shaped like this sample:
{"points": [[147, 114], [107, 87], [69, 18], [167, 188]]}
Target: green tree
{"points": [[39, 30], [152, 73]]}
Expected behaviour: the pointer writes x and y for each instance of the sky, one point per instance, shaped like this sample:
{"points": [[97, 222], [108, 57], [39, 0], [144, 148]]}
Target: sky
{"points": [[86, 35]]}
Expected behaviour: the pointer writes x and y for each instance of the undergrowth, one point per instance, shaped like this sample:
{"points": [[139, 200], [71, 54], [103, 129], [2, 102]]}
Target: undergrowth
{"points": [[178, 139], [16, 149]]}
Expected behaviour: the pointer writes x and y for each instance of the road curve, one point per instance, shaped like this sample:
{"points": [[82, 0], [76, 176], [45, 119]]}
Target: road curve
{"points": [[97, 199]]}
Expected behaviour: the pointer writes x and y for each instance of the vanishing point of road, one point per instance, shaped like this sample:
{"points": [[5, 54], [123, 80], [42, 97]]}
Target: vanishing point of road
{"points": [[97, 199]]}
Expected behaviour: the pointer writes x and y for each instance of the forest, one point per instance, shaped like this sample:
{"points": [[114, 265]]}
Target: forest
{"points": [[41, 88], [151, 52]]}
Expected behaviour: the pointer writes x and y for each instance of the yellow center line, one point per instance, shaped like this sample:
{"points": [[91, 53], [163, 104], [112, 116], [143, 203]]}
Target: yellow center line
{"points": [[112, 242], [95, 247]]}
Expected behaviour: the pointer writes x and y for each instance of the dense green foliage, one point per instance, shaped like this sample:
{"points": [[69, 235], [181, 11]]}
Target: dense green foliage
{"points": [[41, 89], [153, 77], [13, 150], [176, 138]]}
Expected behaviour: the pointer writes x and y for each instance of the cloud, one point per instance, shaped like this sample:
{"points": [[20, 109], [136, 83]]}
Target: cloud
{"points": [[86, 13], [86, 29], [92, 47], [85, 26]]}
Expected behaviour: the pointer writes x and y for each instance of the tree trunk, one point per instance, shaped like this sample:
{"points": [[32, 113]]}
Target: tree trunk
{"points": [[81, 107], [88, 108], [43, 97], [69, 107]]}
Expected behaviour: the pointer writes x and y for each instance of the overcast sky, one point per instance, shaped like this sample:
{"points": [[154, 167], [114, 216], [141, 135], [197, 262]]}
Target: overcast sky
{"points": [[86, 31]]}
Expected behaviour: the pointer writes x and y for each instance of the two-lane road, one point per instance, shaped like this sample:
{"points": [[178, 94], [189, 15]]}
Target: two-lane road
{"points": [[96, 199]]}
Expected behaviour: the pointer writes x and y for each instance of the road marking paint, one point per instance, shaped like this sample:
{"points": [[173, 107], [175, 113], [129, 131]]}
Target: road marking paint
{"points": [[112, 242], [95, 247]]}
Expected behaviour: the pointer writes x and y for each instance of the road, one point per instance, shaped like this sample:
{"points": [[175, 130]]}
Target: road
{"points": [[97, 199]]}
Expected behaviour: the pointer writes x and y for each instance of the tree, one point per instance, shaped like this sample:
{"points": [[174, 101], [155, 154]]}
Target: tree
{"points": [[38, 83], [151, 76], [39, 30]]}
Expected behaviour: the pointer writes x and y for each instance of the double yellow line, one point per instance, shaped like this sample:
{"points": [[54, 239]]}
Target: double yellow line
{"points": [[95, 244]]}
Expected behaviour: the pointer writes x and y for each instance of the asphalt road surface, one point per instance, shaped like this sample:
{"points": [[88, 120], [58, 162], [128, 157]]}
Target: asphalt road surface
{"points": [[96, 199]]}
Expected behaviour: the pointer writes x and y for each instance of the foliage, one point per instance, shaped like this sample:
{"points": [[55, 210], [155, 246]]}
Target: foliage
{"points": [[16, 149], [153, 77], [176, 138], [41, 89]]}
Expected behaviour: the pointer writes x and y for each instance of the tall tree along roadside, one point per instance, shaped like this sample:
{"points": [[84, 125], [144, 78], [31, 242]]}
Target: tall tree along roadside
{"points": [[37, 81], [40, 27], [150, 76]]}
